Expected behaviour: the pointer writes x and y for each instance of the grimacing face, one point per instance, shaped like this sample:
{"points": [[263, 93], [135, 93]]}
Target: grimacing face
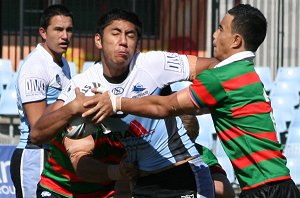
{"points": [[58, 35], [223, 39], [118, 44]]}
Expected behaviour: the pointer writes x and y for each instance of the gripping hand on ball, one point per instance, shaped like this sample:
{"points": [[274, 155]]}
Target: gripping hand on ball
{"points": [[102, 106]]}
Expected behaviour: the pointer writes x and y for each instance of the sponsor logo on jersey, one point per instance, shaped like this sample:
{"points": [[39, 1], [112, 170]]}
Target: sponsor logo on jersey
{"points": [[145, 93], [69, 88], [138, 88], [58, 80], [117, 90], [88, 87], [35, 85], [174, 62]]}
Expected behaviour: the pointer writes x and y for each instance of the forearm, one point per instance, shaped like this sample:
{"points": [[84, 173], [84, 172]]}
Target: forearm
{"points": [[149, 106], [50, 124], [85, 165], [178, 103], [91, 170]]}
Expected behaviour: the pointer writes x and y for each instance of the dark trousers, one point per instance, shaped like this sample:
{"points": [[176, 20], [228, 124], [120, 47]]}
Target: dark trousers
{"points": [[280, 189]]}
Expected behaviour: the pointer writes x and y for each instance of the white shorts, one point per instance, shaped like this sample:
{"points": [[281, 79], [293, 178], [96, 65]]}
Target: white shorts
{"points": [[26, 168]]}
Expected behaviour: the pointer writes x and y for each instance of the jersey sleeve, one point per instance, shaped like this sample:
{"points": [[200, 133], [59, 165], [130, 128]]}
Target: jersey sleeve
{"points": [[165, 67], [33, 82], [207, 90]]}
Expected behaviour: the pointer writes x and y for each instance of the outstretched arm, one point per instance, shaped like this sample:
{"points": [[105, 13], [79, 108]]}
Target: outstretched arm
{"points": [[159, 106], [149, 106]]}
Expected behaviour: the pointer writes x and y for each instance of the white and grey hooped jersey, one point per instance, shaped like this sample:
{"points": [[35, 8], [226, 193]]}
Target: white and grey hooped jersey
{"points": [[154, 143], [39, 78]]}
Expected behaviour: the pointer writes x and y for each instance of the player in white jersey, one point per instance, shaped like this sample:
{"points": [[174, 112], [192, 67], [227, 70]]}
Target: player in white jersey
{"points": [[150, 142], [167, 159], [40, 80]]}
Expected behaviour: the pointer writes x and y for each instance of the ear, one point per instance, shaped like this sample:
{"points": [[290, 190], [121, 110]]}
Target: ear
{"points": [[43, 33], [98, 41], [237, 41]]}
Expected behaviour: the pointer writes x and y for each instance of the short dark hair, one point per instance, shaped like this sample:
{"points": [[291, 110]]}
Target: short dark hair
{"points": [[250, 23], [119, 14], [52, 11]]}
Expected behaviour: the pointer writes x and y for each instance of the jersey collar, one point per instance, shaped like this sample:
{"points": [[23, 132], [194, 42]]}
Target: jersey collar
{"points": [[45, 52], [247, 55]]}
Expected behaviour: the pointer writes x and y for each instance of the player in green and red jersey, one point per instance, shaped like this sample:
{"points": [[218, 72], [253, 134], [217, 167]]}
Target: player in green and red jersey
{"points": [[223, 188], [238, 103], [59, 179]]}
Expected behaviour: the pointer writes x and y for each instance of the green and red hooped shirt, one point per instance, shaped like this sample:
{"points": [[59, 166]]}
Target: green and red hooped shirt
{"points": [[59, 176], [242, 116]]}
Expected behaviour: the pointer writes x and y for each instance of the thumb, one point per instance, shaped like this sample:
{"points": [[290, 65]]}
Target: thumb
{"points": [[77, 91]]}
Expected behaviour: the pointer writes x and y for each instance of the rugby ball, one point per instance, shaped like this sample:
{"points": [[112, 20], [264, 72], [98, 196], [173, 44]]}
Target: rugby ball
{"points": [[80, 127]]}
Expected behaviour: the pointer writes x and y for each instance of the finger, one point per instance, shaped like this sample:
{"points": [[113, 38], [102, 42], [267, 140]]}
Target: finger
{"points": [[91, 102], [100, 89], [96, 117], [77, 91], [89, 112], [100, 118]]}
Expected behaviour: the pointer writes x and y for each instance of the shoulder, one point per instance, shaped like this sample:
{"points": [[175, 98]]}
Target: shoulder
{"points": [[37, 60], [161, 58], [155, 55]]}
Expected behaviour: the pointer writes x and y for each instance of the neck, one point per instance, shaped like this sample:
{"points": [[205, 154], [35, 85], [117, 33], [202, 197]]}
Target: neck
{"points": [[56, 57], [117, 79]]}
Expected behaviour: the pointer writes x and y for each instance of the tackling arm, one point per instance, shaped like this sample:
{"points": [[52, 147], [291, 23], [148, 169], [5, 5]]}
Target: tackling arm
{"points": [[178, 103]]}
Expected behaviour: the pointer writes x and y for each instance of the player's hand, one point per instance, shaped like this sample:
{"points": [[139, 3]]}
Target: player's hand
{"points": [[76, 105], [101, 106]]}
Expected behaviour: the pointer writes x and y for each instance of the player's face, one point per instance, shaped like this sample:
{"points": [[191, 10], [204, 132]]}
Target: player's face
{"points": [[118, 44], [57, 36], [223, 39]]}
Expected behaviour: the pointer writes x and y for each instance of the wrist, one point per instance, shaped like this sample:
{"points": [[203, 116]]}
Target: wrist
{"points": [[113, 100], [115, 103], [119, 103]]}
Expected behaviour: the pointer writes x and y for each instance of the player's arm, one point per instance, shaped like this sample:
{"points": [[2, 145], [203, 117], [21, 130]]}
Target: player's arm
{"points": [[199, 64], [178, 103], [34, 110], [149, 106], [86, 166], [55, 119]]}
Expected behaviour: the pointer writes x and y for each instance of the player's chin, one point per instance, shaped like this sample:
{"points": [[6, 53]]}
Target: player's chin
{"points": [[63, 48], [122, 62]]}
